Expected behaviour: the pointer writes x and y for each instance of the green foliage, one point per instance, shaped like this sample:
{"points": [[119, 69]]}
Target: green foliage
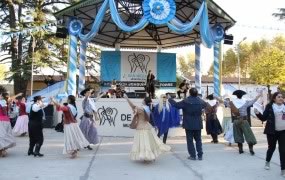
{"points": [[280, 14], [269, 67], [2, 71], [186, 65]]}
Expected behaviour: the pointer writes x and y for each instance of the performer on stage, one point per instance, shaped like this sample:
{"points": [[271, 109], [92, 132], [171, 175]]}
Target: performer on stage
{"points": [[150, 89], [37, 115], [7, 139], [74, 140], [213, 126], [182, 89], [241, 126], [147, 146], [165, 117], [87, 124], [21, 126]]}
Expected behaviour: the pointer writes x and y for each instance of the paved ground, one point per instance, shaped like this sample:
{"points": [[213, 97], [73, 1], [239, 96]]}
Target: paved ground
{"points": [[109, 161]]}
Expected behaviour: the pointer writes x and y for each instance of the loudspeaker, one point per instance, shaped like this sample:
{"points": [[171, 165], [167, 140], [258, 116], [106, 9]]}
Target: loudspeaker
{"points": [[228, 39], [48, 123], [61, 32]]}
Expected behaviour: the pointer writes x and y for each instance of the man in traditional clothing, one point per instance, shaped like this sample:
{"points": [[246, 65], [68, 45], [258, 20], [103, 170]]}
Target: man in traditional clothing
{"points": [[37, 115], [240, 122], [150, 84], [192, 108]]}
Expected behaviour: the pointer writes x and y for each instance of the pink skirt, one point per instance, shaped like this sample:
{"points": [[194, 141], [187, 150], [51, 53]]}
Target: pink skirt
{"points": [[21, 125]]}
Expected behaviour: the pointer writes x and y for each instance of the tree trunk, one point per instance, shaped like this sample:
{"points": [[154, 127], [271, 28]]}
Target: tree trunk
{"points": [[269, 92]]}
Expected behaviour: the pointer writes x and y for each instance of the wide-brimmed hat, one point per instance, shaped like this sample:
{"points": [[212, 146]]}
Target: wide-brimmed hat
{"points": [[82, 93], [36, 98], [239, 93]]}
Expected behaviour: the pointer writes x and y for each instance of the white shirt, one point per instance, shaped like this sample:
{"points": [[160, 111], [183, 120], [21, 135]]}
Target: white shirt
{"points": [[279, 113]]}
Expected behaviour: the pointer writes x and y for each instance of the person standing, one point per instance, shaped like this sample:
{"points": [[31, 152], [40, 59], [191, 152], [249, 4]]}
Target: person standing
{"points": [[240, 123], [147, 146], [182, 89], [192, 108], [227, 124], [274, 115], [87, 124], [35, 126], [165, 117], [150, 84], [21, 126], [74, 140], [7, 139], [213, 126]]}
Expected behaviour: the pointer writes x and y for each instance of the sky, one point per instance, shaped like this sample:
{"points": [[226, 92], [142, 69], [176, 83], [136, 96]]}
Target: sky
{"points": [[254, 21]]}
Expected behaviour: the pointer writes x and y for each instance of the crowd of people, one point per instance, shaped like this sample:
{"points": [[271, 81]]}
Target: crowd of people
{"points": [[150, 123]]}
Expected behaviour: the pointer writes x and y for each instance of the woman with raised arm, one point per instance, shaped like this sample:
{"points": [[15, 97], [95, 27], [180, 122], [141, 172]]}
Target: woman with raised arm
{"points": [[87, 124], [74, 140], [7, 139], [274, 115], [147, 146]]}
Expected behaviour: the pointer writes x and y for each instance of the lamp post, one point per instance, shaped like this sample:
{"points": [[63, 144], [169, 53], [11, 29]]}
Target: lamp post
{"points": [[238, 51], [32, 69]]}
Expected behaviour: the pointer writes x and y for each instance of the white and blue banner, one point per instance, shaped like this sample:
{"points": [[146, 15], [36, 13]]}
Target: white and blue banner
{"points": [[130, 68]]}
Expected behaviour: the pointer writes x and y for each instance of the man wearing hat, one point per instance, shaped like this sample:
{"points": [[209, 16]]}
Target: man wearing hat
{"points": [[37, 115], [241, 126]]}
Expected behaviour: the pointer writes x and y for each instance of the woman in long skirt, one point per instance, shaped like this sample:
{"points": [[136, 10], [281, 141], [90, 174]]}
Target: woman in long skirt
{"points": [[147, 146], [21, 126], [87, 124], [7, 139], [213, 126], [74, 140]]}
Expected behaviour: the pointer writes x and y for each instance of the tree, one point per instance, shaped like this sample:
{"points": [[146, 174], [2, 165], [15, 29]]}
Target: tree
{"points": [[280, 14], [16, 15], [2, 71], [186, 65], [269, 67]]}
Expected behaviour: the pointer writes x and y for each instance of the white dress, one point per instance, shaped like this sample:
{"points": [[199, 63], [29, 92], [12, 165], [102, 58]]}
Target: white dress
{"points": [[146, 146]]}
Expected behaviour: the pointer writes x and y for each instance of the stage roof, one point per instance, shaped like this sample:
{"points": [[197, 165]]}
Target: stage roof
{"points": [[152, 36]]}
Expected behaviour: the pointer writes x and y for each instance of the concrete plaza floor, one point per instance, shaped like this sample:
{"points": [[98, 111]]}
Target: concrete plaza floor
{"points": [[109, 160]]}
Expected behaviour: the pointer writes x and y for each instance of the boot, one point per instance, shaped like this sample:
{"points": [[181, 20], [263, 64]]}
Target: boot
{"points": [[250, 146], [31, 150], [240, 149], [37, 151]]}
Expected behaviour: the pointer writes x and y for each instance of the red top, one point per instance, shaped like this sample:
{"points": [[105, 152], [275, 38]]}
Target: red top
{"points": [[68, 116], [4, 113], [22, 108]]}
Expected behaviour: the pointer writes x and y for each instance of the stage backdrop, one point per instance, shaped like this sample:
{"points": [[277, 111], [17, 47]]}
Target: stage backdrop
{"points": [[130, 68]]}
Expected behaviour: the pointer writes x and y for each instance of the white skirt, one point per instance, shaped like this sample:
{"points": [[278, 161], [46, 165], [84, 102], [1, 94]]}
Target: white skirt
{"points": [[229, 134], [73, 138], [147, 146], [21, 125], [7, 140]]}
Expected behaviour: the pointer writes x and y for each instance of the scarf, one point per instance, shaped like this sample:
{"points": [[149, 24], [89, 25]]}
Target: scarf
{"points": [[147, 110], [239, 103], [278, 108], [212, 102]]}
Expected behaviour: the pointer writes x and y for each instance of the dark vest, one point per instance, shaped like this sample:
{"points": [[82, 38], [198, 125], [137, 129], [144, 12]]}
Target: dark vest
{"points": [[36, 116]]}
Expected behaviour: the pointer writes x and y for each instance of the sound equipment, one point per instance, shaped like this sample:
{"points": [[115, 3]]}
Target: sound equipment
{"points": [[48, 123], [228, 39], [61, 32]]}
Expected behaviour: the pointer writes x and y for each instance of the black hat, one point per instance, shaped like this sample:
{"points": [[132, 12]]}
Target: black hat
{"points": [[210, 97], [239, 93], [82, 93], [36, 98]]}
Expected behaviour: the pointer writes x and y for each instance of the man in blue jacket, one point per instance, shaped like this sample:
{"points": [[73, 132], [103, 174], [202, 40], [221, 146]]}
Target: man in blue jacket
{"points": [[192, 108]]}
